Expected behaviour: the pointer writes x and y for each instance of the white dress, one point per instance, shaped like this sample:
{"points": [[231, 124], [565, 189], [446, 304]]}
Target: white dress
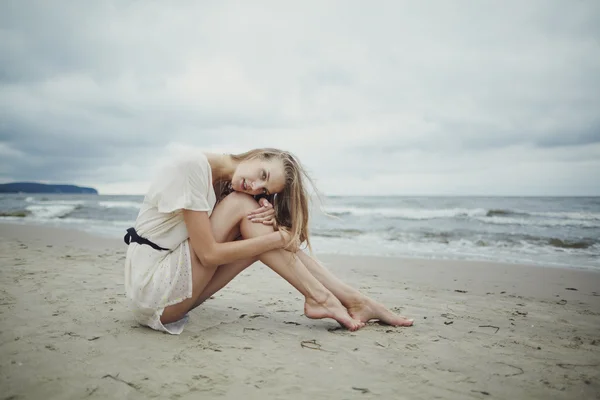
{"points": [[155, 279]]}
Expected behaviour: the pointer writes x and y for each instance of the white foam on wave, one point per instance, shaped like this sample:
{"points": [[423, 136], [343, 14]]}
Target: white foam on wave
{"points": [[409, 213], [120, 204], [499, 220], [575, 215], [522, 252], [558, 218], [49, 211], [60, 202]]}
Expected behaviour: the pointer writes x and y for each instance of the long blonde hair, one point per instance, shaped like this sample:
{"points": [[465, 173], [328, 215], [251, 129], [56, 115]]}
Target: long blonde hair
{"points": [[291, 205]]}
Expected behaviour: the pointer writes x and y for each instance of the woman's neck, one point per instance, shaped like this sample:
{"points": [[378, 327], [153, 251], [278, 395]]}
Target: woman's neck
{"points": [[222, 165]]}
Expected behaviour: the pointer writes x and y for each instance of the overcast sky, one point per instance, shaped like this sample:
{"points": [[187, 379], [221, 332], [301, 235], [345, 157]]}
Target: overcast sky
{"points": [[383, 97]]}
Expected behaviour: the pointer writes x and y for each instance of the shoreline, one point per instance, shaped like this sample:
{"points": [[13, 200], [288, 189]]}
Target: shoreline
{"points": [[468, 270], [482, 330], [69, 232]]}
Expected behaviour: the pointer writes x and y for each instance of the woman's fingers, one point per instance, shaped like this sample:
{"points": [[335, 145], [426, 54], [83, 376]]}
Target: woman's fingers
{"points": [[254, 213], [264, 203], [262, 219], [258, 210], [261, 210], [266, 214]]}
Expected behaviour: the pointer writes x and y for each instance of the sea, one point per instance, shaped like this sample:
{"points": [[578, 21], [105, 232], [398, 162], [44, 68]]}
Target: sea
{"points": [[548, 231]]}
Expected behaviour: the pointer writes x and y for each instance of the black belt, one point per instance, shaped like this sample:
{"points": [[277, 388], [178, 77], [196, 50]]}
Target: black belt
{"points": [[132, 236]]}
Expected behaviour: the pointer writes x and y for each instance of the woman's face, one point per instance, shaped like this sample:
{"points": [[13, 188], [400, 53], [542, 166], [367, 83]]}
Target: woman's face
{"points": [[259, 176]]}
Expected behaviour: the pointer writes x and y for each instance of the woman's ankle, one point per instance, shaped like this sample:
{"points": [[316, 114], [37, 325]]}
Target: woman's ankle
{"points": [[354, 298], [319, 297]]}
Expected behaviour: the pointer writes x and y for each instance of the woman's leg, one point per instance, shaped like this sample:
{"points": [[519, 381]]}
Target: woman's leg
{"points": [[226, 219], [223, 275], [200, 278], [359, 306], [319, 301], [225, 227]]}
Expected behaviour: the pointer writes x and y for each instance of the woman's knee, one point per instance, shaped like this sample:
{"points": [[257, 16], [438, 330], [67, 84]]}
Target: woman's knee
{"points": [[240, 202]]}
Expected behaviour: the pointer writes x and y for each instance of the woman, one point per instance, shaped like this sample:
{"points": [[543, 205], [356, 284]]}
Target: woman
{"points": [[184, 249]]}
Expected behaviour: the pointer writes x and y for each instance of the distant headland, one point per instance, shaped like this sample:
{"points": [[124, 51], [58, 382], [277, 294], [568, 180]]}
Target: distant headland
{"points": [[33, 187]]}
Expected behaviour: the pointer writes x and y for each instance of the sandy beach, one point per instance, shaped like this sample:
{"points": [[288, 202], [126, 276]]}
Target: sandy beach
{"points": [[482, 331]]}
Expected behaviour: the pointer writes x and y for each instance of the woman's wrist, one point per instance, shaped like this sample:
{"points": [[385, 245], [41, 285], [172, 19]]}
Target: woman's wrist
{"points": [[281, 241], [275, 240]]}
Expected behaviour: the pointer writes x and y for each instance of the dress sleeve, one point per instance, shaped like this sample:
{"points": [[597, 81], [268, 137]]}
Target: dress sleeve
{"points": [[184, 184]]}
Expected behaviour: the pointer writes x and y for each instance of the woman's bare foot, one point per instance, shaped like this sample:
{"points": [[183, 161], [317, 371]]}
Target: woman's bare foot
{"points": [[331, 308], [367, 309]]}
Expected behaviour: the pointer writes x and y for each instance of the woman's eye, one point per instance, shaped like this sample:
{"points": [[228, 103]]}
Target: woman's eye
{"points": [[264, 176]]}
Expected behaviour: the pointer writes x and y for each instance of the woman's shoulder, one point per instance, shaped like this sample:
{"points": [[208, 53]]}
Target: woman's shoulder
{"points": [[181, 169], [186, 182], [190, 162]]}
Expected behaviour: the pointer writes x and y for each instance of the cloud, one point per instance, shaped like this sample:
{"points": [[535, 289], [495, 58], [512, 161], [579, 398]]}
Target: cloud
{"points": [[386, 98]]}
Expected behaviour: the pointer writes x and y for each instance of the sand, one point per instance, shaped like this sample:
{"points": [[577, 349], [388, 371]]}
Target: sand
{"points": [[482, 331]]}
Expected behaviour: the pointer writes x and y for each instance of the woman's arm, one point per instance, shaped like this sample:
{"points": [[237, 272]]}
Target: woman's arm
{"points": [[212, 254]]}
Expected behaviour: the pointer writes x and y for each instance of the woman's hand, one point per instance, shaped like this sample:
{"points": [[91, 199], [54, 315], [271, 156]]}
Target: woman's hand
{"points": [[265, 214]]}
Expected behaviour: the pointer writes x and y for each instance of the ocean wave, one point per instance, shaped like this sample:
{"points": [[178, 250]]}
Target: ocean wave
{"points": [[339, 233], [407, 213], [15, 214], [494, 212], [339, 213], [49, 202], [462, 238], [499, 212], [548, 222], [573, 215], [570, 244], [491, 216], [120, 204], [521, 249], [50, 211]]}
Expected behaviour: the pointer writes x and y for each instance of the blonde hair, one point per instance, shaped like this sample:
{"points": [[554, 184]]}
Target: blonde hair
{"points": [[291, 205]]}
